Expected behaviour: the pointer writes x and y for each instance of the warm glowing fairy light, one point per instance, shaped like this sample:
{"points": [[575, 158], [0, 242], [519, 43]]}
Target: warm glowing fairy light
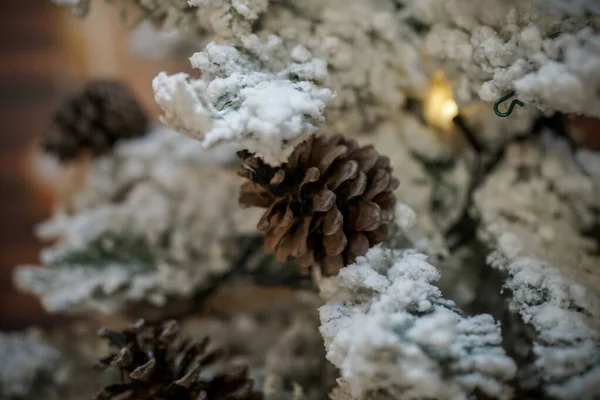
{"points": [[439, 107], [448, 109]]}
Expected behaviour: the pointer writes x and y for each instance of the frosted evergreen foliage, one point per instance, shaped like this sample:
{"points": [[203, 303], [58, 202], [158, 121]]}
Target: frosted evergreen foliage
{"points": [[535, 209], [566, 317], [257, 96], [391, 333], [150, 223], [540, 202]]}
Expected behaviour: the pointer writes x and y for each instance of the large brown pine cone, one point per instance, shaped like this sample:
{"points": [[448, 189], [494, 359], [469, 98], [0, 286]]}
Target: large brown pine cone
{"points": [[327, 205], [94, 119], [156, 366]]}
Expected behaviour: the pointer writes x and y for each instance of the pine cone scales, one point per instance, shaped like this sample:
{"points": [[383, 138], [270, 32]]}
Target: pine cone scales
{"points": [[94, 119], [156, 366], [327, 205]]}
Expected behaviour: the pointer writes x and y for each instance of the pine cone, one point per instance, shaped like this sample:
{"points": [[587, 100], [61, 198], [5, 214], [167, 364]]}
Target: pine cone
{"points": [[94, 119], [327, 205], [156, 366]]}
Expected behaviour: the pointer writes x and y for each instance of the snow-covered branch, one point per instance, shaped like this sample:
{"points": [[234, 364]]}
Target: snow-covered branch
{"points": [[150, 222], [539, 202], [536, 209], [566, 317], [391, 333], [256, 96]]}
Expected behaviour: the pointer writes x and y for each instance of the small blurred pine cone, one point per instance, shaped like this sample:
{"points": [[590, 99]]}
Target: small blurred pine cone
{"points": [[155, 365], [94, 119], [326, 206]]}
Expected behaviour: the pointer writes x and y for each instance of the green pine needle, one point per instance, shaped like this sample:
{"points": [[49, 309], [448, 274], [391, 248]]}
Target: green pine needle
{"points": [[120, 248]]}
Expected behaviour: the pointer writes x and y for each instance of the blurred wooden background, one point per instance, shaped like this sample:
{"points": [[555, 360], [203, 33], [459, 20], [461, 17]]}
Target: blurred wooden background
{"points": [[46, 53]]}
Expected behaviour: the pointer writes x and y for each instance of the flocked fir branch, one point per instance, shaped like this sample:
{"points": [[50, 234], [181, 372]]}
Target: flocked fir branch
{"points": [[540, 202], [139, 228], [393, 335], [255, 95], [537, 230], [566, 318]]}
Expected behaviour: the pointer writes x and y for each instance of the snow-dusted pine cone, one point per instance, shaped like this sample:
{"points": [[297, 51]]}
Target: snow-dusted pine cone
{"points": [[327, 205], [155, 365], [94, 119]]}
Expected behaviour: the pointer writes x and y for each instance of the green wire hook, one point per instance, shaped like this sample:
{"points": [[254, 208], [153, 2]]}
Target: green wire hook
{"points": [[510, 107]]}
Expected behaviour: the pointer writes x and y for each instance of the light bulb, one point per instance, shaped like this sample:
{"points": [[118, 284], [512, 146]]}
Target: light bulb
{"points": [[439, 108]]}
